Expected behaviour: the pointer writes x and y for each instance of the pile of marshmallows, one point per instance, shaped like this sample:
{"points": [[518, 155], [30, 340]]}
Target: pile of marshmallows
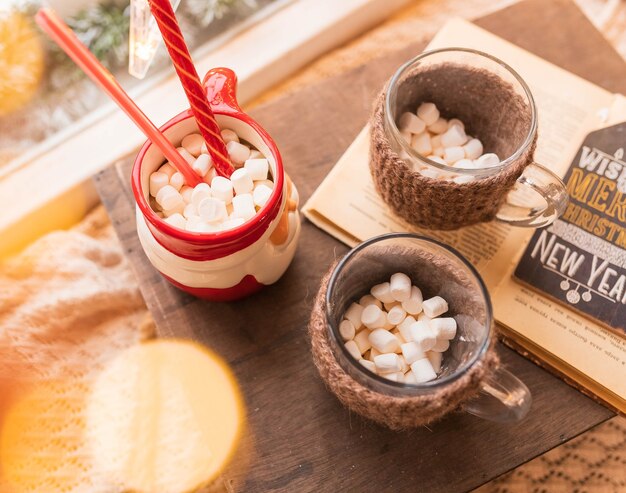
{"points": [[443, 141], [396, 334], [218, 203]]}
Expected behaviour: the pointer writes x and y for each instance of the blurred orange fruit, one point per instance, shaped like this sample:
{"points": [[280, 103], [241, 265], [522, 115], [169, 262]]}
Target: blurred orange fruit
{"points": [[21, 61]]}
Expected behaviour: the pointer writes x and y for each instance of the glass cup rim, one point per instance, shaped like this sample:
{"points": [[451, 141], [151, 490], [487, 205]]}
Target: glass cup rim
{"points": [[439, 382], [390, 123]]}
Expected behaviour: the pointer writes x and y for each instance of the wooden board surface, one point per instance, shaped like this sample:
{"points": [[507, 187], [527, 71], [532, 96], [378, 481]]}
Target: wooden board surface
{"points": [[299, 438]]}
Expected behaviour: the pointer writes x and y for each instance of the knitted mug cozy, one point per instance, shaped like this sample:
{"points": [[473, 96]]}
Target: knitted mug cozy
{"points": [[490, 109], [395, 412]]}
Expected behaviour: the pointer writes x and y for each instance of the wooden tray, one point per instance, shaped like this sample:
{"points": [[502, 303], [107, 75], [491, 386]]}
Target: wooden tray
{"points": [[299, 437]]}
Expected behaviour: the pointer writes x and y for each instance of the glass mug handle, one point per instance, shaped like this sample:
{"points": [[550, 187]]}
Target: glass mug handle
{"points": [[503, 398], [538, 198]]}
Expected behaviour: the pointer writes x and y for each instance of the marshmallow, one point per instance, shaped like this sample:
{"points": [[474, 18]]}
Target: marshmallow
{"points": [[243, 206], [261, 195], [453, 154], [202, 164], [410, 122], [435, 360], [193, 143], [409, 378], [396, 315], [422, 334], [222, 188], [384, 341], [407, 136], [488, 160], [186, 155], [157, 181], [229, 135], [439, 127], [403, 366], [430, 173], [382, 292], [242, 181], [437, 159], [176, 220], [422, 317], [238, 153], [267, 183], [212, 210], [461, 179], [455, 121], [421, 144], [373, 353], [394, 377], [413, 304], [412, 351], [441, 346], [208, 178], [200, 192], [454, 136], [353, 313], [362, 341], [196, 224], [400, 286], [404, 328], [428, 113], [444, 327], [373, 317], [190, 211], [168, 197], [423, 370], [178, 208], [185, 193], [369, 365], [465, 164], [435, 306], [257, 168], [398, 335], [389, 306], [388, 363], [168, 169], [368, 299], [235, 222], [435, 141], [353, 349], [347, 330], [473, 149], [177, 181]]}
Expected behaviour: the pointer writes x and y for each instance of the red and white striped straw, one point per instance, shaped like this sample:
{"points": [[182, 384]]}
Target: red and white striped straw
{"points": [[170, 30]]}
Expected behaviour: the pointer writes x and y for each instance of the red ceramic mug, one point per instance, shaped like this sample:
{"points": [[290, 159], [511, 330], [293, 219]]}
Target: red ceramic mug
{"points": [[231, 264]]}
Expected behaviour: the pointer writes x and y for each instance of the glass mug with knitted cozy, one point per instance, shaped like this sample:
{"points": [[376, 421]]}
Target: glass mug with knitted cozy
{"points": [[497, 107], [471, 377]]}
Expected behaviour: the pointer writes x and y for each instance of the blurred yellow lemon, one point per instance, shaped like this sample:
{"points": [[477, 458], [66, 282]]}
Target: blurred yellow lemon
{"points": [[164, 417], [21, 61]]}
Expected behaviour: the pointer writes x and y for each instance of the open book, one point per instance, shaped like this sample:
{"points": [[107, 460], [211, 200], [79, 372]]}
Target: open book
{"points": [[569, 108]]}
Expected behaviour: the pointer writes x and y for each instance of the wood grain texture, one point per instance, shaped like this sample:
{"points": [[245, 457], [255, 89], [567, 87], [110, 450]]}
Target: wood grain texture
{"points": [[299, 438]]}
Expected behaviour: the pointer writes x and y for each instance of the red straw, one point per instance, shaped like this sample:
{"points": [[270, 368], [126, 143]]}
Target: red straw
{"points": [[54, 27], [179, 53]]}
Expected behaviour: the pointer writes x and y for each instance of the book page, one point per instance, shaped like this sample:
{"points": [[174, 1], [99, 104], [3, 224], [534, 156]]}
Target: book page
{"points": [[592, 349], [568, 108]]}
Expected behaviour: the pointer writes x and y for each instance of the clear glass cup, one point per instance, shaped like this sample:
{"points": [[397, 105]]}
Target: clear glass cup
{"points": [[455, 79], [437, 270]]}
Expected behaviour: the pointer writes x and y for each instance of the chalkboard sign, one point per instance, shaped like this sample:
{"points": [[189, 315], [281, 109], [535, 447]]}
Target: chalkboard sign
{"points": [[580, 260]]}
